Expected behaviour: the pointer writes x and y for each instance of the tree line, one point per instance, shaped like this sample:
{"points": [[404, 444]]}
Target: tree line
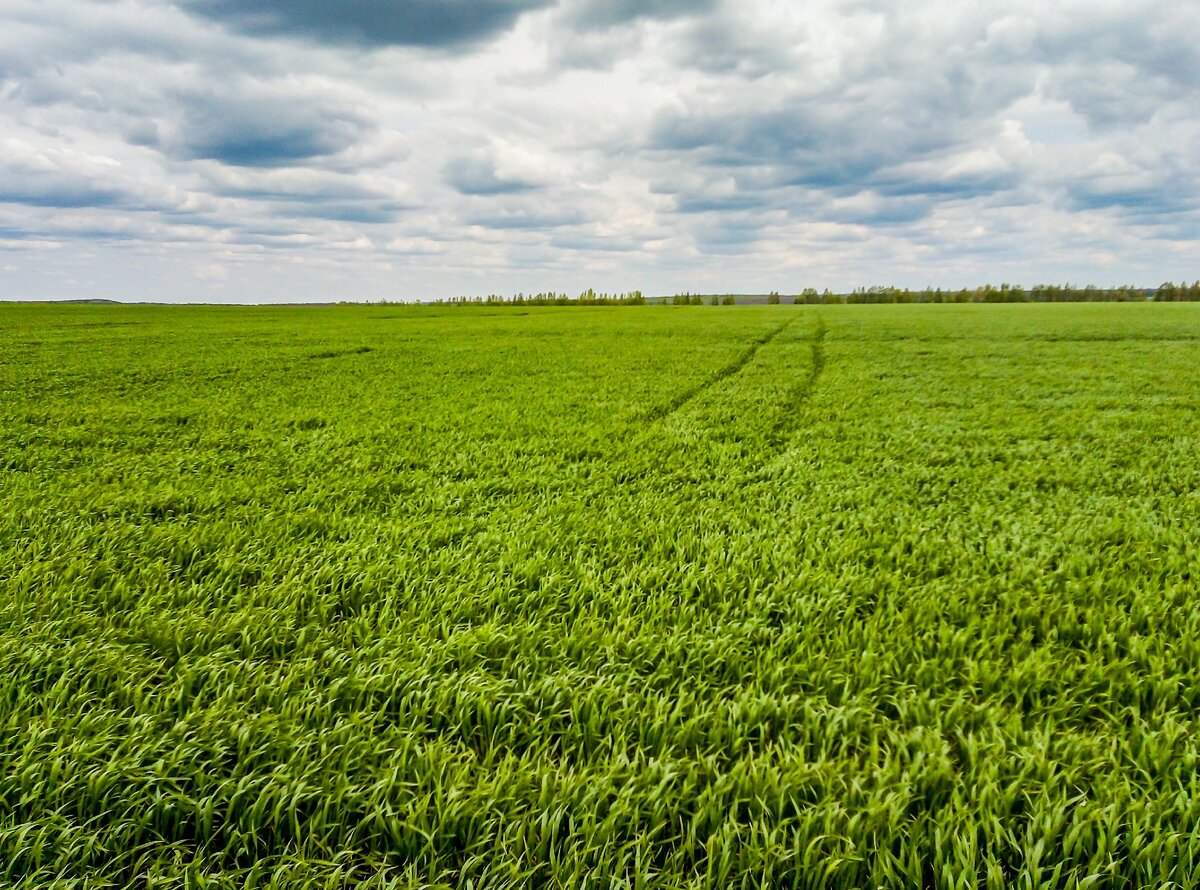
{"points": [[589, 297], [1003, 293], [1007, 293], [988, 293]]}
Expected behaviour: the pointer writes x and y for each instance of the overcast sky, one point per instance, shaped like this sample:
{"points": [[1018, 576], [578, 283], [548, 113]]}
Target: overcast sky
{"points": [[269, 150]]}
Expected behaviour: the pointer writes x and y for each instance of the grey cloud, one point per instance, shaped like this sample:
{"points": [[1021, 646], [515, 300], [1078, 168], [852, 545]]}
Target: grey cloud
{"points": [[49, 34], [774, 162], [878, 210], [263, 125], [40, 176], [596, 34], [296, 211], [202, 113], [1120, 64], [1148, 195], [360, 212], [894, 187], [526, 218], [831, 135], [876, 134], [1111, 95], [727, 236], [364, 212], [370, 23], [723, 46], [805, 145], [477, 175], [608, 13], [1156, 36], [702, 203], [592, 49], [297, 184], [1139, 200], [982, 172], [58, 191], [611, 244]]}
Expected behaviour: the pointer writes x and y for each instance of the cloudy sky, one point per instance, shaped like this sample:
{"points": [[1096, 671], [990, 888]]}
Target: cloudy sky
{"points": [[270, 150]]}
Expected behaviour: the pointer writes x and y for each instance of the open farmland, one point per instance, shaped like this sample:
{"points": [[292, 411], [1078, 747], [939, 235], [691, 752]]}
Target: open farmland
{"points": [[643, 597]]}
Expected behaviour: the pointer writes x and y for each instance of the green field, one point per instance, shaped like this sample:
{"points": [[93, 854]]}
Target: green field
{"points": [[607, 597]]}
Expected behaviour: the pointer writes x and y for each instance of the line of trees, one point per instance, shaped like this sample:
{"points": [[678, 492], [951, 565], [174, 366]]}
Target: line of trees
{"points": [[588, 298], [686, 300], [988, 293], [1004, 293], [690, 299], [1169, 292]]}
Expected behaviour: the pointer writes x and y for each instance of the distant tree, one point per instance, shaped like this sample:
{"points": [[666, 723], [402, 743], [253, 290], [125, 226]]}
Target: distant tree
{"points": [[773, 298], [728, 300], [1168, 291]]}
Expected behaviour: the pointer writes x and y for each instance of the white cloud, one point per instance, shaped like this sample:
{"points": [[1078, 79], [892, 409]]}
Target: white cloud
{"points": [[735, 145], [211, 272]]}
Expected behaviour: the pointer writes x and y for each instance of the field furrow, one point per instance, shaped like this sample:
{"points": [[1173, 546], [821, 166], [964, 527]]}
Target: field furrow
{"points": [[785, 423], [682, 398]]}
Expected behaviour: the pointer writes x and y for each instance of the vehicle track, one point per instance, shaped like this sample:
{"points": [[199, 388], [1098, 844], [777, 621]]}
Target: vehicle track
{"points": [[785, 424], [682, 399]]}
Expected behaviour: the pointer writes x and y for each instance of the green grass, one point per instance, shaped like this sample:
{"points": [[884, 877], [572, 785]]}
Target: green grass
{"points": [[472, 597]]}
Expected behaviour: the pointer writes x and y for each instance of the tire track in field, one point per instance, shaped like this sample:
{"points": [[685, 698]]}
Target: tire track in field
{"points": [[785, 425], [681, 399]]}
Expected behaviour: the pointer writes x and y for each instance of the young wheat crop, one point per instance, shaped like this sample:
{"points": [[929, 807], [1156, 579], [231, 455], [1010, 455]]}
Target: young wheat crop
{"points": [[777, 596]]}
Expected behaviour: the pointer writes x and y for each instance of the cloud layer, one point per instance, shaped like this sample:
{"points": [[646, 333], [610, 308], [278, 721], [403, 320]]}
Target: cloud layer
{"points": [[369, 23], [264, 150]]}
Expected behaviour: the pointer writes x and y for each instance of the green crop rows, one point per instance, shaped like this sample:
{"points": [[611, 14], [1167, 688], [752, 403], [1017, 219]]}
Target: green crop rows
{"points": [[643, 597]]}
